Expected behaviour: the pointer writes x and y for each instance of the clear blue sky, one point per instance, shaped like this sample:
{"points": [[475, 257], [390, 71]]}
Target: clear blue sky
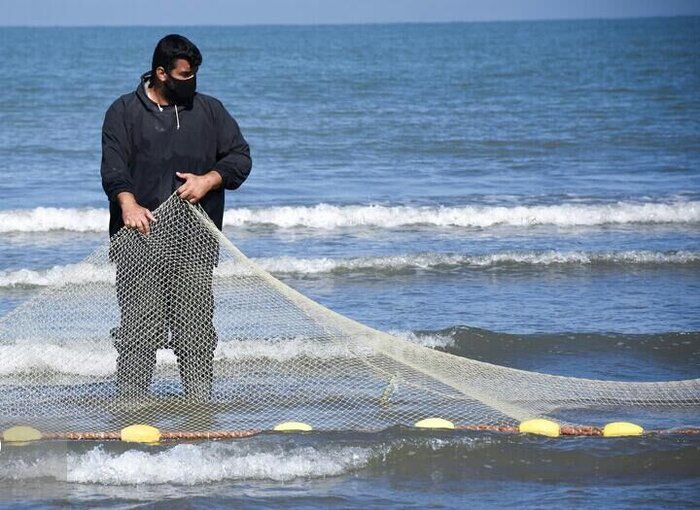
{"points": [[240, 12]]}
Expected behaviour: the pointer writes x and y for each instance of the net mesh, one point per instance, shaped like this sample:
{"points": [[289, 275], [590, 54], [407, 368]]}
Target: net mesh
{"points": [[183, 332]]}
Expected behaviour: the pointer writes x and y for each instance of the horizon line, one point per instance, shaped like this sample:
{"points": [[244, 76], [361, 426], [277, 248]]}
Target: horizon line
{"points": [[357, 23]]}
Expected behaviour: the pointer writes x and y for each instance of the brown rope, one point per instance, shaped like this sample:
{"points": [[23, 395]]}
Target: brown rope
{"points": [[221, 434], [83, 436], [581, 431], [164, 436], [566, 430]]}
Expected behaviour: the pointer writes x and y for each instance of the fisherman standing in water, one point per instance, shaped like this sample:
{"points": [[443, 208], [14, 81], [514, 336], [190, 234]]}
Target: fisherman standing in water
{"points": [[163, 138]]}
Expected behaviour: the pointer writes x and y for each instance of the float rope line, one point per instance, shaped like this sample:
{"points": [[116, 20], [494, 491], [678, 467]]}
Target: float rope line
{"points": [[574, 430], [577, 431], [164, 436]]}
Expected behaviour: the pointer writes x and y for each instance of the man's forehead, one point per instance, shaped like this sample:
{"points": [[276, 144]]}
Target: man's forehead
{"points": [[182, 64]]}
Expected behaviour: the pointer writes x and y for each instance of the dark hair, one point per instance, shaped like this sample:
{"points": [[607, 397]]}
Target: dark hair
{"points": [[172, 47]]}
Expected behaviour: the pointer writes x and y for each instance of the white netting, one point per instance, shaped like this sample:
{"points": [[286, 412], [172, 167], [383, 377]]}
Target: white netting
{"points": [[188, 334]]}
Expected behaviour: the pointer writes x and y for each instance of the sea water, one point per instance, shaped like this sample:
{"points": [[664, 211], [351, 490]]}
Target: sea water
{"points": [[523, 193]]}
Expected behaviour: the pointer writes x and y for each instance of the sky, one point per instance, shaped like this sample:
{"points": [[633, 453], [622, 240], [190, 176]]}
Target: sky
{"points": [[265, 12]]}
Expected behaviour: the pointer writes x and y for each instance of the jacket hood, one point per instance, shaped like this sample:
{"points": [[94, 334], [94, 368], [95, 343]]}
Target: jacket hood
{"points": [[149, 104], [141, 92]]}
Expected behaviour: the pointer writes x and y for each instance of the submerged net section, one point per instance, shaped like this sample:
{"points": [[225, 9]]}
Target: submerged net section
{"points": [[183, 332]]}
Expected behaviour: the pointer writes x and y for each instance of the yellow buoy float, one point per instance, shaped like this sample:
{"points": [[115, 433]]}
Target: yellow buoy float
{"points": [[140, 434], [622, 429], [293, 426], [540, 427], [21, 434], [435, 423]]}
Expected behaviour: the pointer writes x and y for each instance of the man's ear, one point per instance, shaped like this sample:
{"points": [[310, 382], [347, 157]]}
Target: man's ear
{"points": [[161, 74]]}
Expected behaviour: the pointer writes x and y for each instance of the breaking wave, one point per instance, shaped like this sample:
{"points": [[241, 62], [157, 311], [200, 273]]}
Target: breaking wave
{"points": [[84, 359], [195, 464], [81, 273], [677, 350], [436, 261], [318, 456], [326, 216], [206, 463], [672, 355], [46, 219]]}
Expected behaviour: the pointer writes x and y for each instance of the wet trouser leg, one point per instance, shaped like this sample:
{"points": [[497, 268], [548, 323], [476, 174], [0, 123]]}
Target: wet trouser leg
{"points": [[191, 317], [197, 373], [135, 371], [141, 331]]}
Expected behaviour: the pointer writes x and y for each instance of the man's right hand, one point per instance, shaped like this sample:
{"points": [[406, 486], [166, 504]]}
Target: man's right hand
{"points": [[133, 215]]}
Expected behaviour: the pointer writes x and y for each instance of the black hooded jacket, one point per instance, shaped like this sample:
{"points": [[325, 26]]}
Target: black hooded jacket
{"points": [[144, 144]]}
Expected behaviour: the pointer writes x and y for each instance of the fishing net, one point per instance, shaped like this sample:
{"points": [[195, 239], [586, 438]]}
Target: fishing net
{"points": [[180, 330]]}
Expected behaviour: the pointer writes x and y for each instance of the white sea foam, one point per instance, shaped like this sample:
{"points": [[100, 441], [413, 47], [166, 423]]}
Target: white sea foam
{"points": [[325, 216], [216, 461], [437, 260], [45, 219], [98, 358], [195, 464], [80, 358], [82, 273], [285, 350], [431, 340]]}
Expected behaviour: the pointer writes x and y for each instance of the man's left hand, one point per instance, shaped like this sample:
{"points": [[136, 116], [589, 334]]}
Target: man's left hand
{"points": [[196, 186]]}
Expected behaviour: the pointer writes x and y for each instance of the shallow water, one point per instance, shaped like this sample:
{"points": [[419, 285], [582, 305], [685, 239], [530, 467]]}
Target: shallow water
{"points": [[352, 470]]}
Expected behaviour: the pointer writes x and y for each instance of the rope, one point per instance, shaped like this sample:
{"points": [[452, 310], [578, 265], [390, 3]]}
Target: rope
{"points": [[577, 431]]}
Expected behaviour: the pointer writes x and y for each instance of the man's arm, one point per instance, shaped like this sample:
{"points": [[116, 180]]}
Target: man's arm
{"points": [[116, 179], [233, 162], [196, 186], [116, 152], [133, 215]]}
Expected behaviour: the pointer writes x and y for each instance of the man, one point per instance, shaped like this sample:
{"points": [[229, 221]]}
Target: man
{"points": [[162, 138]]}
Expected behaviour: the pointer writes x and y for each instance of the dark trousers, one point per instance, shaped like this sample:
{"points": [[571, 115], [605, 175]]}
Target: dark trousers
{"points": [[166, 301]]}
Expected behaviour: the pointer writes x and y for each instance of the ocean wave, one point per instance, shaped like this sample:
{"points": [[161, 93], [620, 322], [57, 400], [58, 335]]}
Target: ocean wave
{"points": [[324, 216], [206, 463], [46, 219], [436, 261], [76, 274], [82, 273], [117, 467], [91, 359], [195, 464], [433, 340], [264, 457], [472, 342], [328, 217], [669, 355], [98, 358]]}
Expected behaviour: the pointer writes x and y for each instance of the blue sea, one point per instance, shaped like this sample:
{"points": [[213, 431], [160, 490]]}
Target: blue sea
{"points": [[523, 193]]}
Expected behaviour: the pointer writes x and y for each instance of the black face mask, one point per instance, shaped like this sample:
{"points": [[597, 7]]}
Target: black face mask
{"points": [[181, 91]]}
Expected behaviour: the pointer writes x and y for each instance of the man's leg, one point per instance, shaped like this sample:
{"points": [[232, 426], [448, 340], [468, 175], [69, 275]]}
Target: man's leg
{"points": [[191, 306], [140, 297], [135, 368]]}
